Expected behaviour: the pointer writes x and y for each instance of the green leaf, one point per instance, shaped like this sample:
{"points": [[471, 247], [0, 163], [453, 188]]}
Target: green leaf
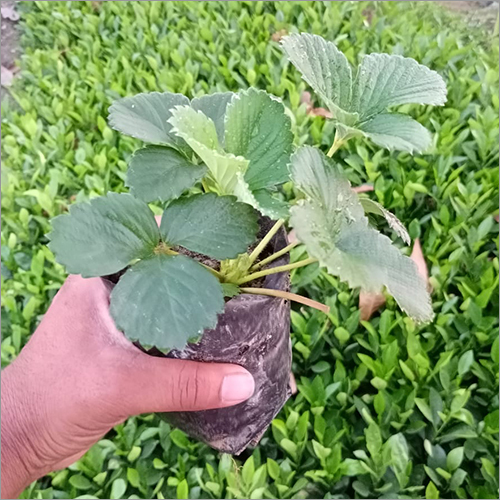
{"points": [[424, 408], [352, 467], [217, 226], [182, 490], [385, 80], [396, 131], [248, 471], [370, 206], [214, 106], [273, 469], [431, 492], [145, 117], [200, 133], [373, 440], [133, 477], [165, 300], [258, 129], [457, 479], [104, 236], [118, 488], [465, 362], [230, 289], [332, 225], [495, 351], [160, 173], [454, 458], [80, 482], [261, 200], [491, 420], [325, 69], [271, 206]]}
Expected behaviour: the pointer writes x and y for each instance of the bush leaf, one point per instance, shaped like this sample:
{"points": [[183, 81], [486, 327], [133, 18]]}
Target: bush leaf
{"points": [[217, 226], [385, 80], [161, 173], [104, 236], [165, 300], [332, 225], [258, 129], [145, 117]]}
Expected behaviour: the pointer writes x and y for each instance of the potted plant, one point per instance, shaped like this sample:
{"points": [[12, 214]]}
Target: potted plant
{"points": [[211, 281]]}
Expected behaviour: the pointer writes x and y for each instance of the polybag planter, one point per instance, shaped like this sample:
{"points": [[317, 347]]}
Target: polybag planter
{"points": [[254, 332]]}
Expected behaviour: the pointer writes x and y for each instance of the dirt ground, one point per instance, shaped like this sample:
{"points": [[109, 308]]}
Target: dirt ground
{"points": [[10, 38], [10, 41]]}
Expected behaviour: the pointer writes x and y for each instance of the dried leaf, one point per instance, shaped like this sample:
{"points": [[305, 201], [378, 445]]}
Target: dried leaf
{"points": [[418, 257], [364, 188], [9, 13], [311, 110], [293, 384], [369, 303], [292, 237], [278, 35]]}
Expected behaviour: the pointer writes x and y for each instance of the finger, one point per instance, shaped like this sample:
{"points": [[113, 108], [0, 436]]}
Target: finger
{"points": [[160, 385]]}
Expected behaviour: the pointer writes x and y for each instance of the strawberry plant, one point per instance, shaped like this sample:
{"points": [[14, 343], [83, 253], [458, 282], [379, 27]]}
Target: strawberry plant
{"points": [[215, 165]]}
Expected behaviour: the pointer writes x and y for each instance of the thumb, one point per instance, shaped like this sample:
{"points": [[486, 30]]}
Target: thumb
{"points": [[161, 385]]}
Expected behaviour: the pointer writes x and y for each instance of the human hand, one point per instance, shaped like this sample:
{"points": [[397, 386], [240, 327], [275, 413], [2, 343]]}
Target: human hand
{"points": [[78, 376]]}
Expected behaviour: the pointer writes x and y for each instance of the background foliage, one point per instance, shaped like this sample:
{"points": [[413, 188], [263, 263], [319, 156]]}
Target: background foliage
{"points": [[385, 408]]}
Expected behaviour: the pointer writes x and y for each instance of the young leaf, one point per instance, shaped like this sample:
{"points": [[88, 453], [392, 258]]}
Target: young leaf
{"points": [[258, 129], [104, 236], [230, 289], [261, 200], [325, 69], [214, 106], [385, 80], [332, 225], [145, 117], [396, 131], [217, 226], [160, 173], [370, 206], [200, 133], [165, 300]]}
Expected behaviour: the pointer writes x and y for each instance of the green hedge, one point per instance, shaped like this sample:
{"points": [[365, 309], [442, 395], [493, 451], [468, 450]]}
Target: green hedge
{"points": [[412, 410]]}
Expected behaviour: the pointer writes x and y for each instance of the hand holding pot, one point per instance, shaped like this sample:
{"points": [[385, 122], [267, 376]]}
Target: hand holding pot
{"points": [[78, 377]]}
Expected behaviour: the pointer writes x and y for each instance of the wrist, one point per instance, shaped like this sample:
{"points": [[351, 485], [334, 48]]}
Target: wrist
{"points": [[22, 430]]}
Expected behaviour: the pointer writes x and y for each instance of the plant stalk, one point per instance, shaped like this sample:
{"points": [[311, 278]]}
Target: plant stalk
{"points": [[274, 256], [274, 270], [267, 238], [169, 251], [336, 145], [289, 296]]}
